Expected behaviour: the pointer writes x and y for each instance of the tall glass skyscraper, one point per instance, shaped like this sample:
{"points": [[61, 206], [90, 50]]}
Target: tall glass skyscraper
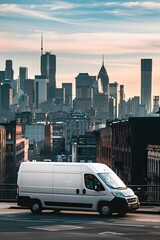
{"points": [[48, 69], [23, 75], [9, 70], [146, 83]]}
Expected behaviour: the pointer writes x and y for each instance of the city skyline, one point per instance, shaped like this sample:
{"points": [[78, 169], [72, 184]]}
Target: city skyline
{"points": [[79, 34]]}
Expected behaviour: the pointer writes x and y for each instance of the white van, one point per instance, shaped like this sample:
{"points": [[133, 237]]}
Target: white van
{"points": [[73, 186]]}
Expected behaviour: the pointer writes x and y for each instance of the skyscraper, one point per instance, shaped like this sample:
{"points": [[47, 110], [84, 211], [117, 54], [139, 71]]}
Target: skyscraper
{"points": [[2, 154], [48, 69], [60, 95], [41, 89], [6, 96], [146, 83], [103, 102], [155, 104], [122, 103], [68, 93], [122, 94], [23, 75], [114, 93], [84, 92], [8, 70], [2, 76], [30, 89], [103, 80]]}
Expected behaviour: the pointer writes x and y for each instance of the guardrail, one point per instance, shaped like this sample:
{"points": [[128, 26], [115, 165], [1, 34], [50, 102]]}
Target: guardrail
{"points": [[149, 195], [8, 192]]}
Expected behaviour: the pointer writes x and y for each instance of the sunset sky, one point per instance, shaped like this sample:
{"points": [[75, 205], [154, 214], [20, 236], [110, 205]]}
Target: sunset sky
{"points": [[79, 32]]}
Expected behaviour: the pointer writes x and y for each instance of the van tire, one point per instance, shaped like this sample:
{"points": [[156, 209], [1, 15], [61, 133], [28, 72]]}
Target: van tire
{"points": [[104, 209], [36, 207]]}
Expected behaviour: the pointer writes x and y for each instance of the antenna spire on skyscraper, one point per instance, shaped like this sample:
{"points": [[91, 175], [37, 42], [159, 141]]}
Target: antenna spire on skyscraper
{"points": [[103, 60], [41, 43]]}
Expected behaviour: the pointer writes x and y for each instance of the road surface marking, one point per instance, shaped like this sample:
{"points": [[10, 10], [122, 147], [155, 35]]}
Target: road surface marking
{"points": [[54, 228], [120, 224], [112, 233]]}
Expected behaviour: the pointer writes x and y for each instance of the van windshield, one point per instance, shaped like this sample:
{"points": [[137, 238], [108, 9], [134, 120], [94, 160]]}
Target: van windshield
{"points": [[112, 180]]}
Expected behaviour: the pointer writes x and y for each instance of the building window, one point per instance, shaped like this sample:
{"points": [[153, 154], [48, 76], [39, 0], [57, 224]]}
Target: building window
{"points": [[9, 136], [81, 151]]}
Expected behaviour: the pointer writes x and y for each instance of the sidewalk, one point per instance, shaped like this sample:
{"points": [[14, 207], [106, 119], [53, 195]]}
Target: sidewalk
{"points": [[142, 209], [149, 209], [7, 205]]}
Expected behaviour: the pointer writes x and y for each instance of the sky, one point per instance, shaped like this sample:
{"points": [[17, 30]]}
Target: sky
{"points": [[79, 33]]}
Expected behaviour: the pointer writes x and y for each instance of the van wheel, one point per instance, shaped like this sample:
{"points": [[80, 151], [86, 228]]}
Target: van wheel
{"points": [[104, 209], [36, 207]]}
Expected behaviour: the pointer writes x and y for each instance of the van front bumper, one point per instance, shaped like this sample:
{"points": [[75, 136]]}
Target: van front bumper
{"points": [[121, 205]]}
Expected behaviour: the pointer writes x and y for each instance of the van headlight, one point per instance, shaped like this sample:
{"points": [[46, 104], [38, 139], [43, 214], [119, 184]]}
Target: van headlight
{"points": [[117, 194]]}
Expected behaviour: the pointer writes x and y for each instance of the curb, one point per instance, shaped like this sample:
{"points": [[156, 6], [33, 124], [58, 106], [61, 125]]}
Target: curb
{"points": [[17, 207]]}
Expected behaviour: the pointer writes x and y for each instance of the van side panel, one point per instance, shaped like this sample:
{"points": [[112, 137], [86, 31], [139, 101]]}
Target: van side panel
{"points": [[33, 184], [67, 190], [67, 185], [36, 182], [36, 167]]}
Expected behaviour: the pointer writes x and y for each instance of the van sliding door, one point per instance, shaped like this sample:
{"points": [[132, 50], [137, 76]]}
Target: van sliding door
{"points": [[67, 187]]}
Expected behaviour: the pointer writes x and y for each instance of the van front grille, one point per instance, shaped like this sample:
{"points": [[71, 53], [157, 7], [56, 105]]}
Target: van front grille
{"points": [[132, 200]]}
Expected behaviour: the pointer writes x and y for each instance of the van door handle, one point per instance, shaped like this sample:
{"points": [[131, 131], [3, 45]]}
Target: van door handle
{"points": [[84, 191], [77, 191]]}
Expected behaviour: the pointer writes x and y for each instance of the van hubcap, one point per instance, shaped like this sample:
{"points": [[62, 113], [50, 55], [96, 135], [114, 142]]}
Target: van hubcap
{"points": [[105, 209], [35, 207]]}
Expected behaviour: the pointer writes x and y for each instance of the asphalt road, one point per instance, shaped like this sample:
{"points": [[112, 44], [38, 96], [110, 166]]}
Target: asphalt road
{"points": [[21, 224]]}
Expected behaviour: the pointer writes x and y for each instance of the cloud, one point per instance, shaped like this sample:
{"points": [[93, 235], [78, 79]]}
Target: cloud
{"points": [[112, 44], [118, 12], [45, 11], [128, 4], [60, 5], [27, 12], [72, 13], [144, 4]]}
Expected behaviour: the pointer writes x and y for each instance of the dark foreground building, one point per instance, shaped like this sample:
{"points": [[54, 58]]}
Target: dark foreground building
{"points": [[15, 150], [129, 147]]}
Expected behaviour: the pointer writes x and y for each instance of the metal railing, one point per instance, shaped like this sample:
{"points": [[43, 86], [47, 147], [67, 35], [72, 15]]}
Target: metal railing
{"points": [[147, 194], [8, 192]]}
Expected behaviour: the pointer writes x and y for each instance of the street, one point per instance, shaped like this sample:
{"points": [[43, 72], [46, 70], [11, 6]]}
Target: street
{"points": [[22, 224]]}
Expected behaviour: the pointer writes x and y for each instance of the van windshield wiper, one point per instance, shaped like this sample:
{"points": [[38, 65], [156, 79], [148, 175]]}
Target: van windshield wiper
{"points": [[111, 186], [121, 188]]}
